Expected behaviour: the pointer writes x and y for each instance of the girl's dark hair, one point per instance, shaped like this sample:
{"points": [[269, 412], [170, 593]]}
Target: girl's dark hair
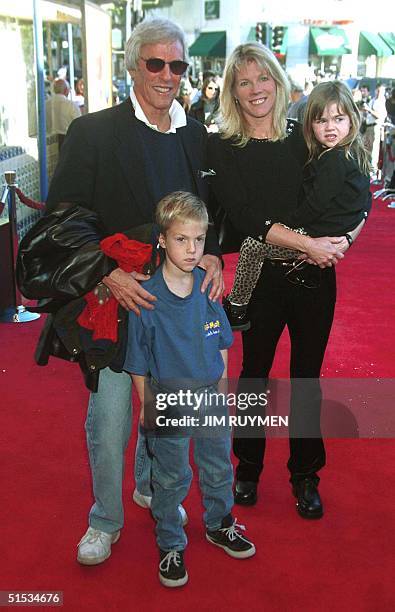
{"points": [[206, 82], [338, 93]]}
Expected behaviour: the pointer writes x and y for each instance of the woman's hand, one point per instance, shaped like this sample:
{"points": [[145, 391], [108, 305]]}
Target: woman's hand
{"points": [[326, 251], [344, 245]]}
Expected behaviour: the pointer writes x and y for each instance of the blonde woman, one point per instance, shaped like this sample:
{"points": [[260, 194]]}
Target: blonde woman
{"points": [[334, 197], [259, 161]]}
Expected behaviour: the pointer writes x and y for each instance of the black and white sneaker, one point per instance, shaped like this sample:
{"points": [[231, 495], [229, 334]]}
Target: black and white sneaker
{"points": [[237, 315], [231, 540], [172, 572]]}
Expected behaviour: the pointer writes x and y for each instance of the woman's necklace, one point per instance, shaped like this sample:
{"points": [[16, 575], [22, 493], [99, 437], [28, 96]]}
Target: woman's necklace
{"points": [[262, 136], [257, 139]]}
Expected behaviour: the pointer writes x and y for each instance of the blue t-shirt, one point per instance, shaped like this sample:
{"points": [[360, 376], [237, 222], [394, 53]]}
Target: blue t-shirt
{"points": [[179, 342]]}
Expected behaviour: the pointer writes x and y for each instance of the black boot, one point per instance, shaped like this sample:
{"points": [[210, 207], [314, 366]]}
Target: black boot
{"points": [[309, 504], [237, 315], [245, 492]]}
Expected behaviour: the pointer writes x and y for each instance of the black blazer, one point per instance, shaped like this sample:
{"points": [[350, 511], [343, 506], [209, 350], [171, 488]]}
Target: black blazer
{"points": [[101, 168]]}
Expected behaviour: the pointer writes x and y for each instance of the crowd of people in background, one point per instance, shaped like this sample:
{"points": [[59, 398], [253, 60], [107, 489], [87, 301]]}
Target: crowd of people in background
{"points": [[63, 103], [200, 99], [60, 110]]}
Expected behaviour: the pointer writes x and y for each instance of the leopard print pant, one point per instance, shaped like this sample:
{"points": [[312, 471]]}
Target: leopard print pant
{"points": [[251, 258]]}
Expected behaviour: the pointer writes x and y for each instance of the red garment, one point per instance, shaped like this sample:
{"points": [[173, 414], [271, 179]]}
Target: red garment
{"points": [[131, 256]]}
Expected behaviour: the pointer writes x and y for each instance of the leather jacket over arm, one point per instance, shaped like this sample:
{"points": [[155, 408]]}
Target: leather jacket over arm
{"points": [[60, 259]]}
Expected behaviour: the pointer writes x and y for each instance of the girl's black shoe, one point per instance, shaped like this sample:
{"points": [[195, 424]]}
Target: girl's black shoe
{"points": [[237, 315]]}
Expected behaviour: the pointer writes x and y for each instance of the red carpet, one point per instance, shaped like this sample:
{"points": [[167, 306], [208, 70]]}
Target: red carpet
{"points": [[345, 561]]}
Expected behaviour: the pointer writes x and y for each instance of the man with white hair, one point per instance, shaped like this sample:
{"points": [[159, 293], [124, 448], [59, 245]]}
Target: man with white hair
{"points": [[59, 110], [298, 102], [118, 163]]}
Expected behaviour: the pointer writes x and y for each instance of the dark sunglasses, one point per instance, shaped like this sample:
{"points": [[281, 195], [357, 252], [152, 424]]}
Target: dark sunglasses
{"points": [[155, 64], [304, 274]]}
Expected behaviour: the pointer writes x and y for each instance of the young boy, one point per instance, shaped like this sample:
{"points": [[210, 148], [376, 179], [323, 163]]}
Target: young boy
{"points": [[181, 345]]}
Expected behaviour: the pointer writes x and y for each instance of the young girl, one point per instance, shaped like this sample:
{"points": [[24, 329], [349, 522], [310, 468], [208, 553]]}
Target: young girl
{"points": [[334, 197]]}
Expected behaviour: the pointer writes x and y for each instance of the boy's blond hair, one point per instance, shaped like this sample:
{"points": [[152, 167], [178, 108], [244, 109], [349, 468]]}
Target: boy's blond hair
{"points": [[180, 206]]}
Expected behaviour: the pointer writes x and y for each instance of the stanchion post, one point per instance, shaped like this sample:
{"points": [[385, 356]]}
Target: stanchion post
{"points": [[16, 313]]}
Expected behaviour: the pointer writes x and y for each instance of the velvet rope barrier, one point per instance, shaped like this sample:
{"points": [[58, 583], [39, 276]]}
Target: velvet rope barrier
{"points": [[13, 311], [28, 201]]}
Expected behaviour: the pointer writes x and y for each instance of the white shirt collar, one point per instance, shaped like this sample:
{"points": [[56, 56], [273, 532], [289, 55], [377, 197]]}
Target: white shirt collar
{"points": [[177, 114]]}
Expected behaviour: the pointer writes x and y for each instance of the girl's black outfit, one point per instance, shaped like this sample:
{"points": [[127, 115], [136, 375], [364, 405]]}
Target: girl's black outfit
{"points": [[258, 185]]}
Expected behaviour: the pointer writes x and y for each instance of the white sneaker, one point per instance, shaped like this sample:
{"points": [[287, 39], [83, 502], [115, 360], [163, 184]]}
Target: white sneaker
{"points": [[144, 501], [95, 546]]}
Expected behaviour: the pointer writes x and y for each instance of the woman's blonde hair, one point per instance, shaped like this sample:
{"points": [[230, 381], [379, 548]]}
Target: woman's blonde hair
{"points": [[233, 124], [338, 93]]}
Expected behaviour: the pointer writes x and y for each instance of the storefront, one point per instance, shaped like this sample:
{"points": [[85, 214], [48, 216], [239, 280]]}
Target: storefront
{"points": [[209, 52], [19, 132], [326, 49], [36, 39], [372, 48]]}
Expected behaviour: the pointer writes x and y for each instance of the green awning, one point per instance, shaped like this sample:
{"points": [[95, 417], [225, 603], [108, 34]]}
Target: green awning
{"points": [[209, 44], [329, 41], [372, 44], [389, 38], [251, 35]]}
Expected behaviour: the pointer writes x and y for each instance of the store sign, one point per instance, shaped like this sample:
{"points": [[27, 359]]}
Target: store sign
{"points": [[211, 9], [324, 23]]}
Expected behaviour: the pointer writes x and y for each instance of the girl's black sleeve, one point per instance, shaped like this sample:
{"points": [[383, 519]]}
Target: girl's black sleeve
{"points": [[325, 179]]}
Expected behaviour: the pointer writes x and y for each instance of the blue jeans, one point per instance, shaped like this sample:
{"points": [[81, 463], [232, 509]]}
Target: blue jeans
{"points": [[108, 426], [172, 476]]}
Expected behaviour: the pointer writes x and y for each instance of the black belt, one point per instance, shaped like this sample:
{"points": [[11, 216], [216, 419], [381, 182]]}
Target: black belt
{"points": [[282, 263]]}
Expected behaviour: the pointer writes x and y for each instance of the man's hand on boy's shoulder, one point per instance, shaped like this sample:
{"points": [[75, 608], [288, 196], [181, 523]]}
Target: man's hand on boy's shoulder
{"points": [[128, 291], [213, 267]]}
